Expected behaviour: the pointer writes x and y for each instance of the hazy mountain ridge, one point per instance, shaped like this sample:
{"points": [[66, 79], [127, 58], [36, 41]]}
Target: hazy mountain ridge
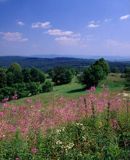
{"points": [[48, 63]]}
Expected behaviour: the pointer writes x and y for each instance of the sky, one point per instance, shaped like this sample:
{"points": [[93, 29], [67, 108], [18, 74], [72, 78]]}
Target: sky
{"points": [[68, 28]]}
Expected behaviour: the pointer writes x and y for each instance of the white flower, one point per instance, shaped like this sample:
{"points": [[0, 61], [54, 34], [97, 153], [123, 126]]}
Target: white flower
{"points": [[58, 142], [70, 145], [125, 94]]}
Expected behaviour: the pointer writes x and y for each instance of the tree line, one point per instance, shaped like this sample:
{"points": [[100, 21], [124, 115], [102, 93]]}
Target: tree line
{"points": [[30, 81], [22, 82]]}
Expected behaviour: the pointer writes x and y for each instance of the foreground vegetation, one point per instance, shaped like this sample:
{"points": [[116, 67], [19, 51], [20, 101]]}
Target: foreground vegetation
{"points": [[95, 126], [70, 122]]}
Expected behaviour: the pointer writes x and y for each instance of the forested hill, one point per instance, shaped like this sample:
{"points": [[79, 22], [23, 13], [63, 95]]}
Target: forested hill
{"points": [[48, 63]]}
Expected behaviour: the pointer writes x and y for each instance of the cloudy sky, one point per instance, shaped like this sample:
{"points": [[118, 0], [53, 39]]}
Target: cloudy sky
{"points": [[76, 28]]}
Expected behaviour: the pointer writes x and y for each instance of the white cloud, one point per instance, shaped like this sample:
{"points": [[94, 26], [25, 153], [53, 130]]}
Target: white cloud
{"points": [[93, 24], [125, 17], [43, 25], [65, 37], [13, 36], [20, 23], [58, 32], [68, 40]]}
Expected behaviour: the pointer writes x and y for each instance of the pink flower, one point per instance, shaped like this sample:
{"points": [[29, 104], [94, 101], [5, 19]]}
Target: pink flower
{"points": [[1, 114], [34, 150], [5, 100], [17, 158]]}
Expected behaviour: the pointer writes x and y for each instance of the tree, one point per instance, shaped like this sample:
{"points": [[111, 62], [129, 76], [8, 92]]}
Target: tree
{"points": [[26, 75], [3, 78], [16, 69], [47, 86], [95, 73], [37, 75], [61, 75], [105, 66], [127, 75], [10, 78]]}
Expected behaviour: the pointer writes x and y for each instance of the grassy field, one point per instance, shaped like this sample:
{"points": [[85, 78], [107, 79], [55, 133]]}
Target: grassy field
{"points": [[86, 128], [74, 90]]}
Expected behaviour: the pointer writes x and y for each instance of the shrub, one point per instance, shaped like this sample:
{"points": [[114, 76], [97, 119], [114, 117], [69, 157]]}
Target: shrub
{"points": [[61, 75], [47, 86], [33, 88]]}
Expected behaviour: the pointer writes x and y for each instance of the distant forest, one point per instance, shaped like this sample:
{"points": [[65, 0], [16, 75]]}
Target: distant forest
{"points": [[48, 63]]}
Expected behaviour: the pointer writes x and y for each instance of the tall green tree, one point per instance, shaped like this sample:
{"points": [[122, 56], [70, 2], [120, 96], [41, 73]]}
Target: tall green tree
{"points": [[37, 75], [93, 74], [16, 69], [10, 78], [3, 78], [26, 75]]}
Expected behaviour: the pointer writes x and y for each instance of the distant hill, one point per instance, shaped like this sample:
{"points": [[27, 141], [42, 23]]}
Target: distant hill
{"points": [[48, 63]]}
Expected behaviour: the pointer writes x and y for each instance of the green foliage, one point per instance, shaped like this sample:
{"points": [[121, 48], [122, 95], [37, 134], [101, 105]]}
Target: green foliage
{"points": [[127, 76], [26, 75], [47, 86], [23, 82], [33, 88], [21, 90], [6, 92], [95, 73], [16, 69], [37, 75], [3, 78], [10, 78], [86, 139], [61, 75]]}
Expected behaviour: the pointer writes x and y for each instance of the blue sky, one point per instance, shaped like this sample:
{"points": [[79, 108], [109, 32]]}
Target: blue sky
{"points": [[76, 28]]}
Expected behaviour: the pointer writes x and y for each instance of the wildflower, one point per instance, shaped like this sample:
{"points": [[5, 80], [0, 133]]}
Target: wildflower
{"points": [[17, 158], [34, 150], [79, 124], [58, 131], [125, 95], [5, 100], [1, 114], [58, 142], [69, 146]]}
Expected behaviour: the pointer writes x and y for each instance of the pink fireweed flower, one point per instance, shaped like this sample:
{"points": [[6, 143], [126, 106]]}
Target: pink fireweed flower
{"points": [[92, 89], [1, 114], [29, 100], [5, 100], [15, 97], [34, 150]]}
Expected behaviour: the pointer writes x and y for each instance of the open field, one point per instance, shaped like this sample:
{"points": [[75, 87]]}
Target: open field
{"points": [[74, 90], [94, 126]]}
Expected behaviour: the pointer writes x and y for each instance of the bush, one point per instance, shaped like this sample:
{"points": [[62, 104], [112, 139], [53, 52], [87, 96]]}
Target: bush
{"points": [[61, 75], [7, 92], [33, 88], [47, 86]]}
